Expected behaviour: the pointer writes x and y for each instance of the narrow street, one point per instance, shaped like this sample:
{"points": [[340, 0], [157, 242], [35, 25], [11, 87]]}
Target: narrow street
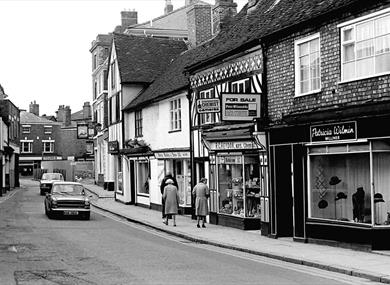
{"points": [[108, 250]]}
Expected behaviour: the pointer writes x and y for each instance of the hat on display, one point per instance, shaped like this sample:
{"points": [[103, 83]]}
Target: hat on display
{"points": [[334, 180], [322, 204], [378, 198], [169, 181], [340, 195]]}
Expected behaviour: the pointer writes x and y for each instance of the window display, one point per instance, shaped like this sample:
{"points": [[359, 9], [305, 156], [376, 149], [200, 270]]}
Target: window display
{"points": [[239, 185], [381, 173], [340, 187]]}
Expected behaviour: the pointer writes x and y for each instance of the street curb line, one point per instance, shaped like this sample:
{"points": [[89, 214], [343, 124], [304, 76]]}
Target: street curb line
{"points": [[331, 268]]}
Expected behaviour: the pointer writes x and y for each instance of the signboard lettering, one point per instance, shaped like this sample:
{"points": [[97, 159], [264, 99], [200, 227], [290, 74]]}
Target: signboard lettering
{"points": [[240, 107], [208, 105], [232, 145], [333, 132]]}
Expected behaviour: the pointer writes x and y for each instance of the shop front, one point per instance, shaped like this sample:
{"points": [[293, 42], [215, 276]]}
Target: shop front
{"points": [[239, 195], [346, 168], [177, 162]]}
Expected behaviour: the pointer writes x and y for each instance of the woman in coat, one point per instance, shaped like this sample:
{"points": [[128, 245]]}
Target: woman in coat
{"points": [[201, 192], [171, 197]]}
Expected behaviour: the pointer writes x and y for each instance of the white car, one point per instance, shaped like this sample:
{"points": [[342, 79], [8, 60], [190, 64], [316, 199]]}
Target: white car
{"points": [[68, 199], [47, 181]]}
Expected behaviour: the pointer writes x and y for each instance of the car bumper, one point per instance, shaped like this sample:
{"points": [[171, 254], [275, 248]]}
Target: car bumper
{"points": [[70, 210]]}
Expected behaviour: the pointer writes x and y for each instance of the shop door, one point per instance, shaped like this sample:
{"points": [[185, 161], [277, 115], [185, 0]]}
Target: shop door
{"points": [[282, 182], [299, 168]]}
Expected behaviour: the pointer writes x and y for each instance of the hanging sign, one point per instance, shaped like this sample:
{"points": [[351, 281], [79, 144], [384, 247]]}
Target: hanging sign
{"points": [[113, 147], [240, 107], [333, 132], [208, 105]]}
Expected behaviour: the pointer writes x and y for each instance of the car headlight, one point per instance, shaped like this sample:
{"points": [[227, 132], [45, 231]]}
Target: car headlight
{"points": [[87, 203], [54, 203]]}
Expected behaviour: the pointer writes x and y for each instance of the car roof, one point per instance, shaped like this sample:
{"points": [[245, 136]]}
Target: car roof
{"points": [[67, 183]]}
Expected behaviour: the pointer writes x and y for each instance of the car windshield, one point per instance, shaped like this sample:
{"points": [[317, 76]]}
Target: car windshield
{"points": [[68, 189], [52, 176]]}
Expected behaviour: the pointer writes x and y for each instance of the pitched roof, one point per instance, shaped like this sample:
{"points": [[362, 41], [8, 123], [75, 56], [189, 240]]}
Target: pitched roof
{"points": [[268, 17], [171, 80], [30, 118], [142, 59]]}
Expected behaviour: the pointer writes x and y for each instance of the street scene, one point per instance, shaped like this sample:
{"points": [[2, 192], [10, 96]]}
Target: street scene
{"points": [[195, 142]]}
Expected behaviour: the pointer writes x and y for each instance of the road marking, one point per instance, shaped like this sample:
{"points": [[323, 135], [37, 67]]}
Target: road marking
{"points": [[340, 277]]}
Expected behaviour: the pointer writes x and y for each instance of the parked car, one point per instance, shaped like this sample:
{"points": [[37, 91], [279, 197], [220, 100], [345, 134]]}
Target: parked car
{"points": [[47, 181], [69, 199]]}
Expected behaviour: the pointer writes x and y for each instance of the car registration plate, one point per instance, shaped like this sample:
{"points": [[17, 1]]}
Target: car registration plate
{"points": [[71, 213]]}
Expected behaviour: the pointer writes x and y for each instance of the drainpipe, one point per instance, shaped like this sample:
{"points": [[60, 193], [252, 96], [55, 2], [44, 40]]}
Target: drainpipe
{"points": [[191, 149]]}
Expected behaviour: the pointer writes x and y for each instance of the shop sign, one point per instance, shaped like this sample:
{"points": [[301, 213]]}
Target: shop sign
{"points": [[208, 105], [230, 145], [172, 154], [82, 131], [236, 159], [50, 158], [240, 107], [113, 147], [333, 132]]}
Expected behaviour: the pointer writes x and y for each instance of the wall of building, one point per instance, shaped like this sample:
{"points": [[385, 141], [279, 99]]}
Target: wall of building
{"points": [[281, 74]]}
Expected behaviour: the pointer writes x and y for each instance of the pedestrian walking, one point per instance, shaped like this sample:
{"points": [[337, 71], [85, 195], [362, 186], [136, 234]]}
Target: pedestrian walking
{"points": [[171, 197], [201, 193], [162, 186]]}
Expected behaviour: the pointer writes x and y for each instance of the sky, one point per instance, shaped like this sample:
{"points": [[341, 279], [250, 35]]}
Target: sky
{"points": [[44, 46]]}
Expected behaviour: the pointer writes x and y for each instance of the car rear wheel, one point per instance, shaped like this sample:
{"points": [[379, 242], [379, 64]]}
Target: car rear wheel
{"points": [[42, 192]]}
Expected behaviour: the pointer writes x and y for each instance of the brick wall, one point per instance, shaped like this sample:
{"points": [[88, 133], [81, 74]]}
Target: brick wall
{"points": [[281, 74]]}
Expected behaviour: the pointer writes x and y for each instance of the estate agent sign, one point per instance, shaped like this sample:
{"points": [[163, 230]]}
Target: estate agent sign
{"points": [[208, 105], [333, 132], [240, 107]]}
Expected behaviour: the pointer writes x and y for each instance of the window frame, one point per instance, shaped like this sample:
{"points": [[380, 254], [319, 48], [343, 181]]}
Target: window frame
{"points": [[352, 25], [51, 146], [24, 127], [29, 144], [207, 118], [175, 114], [138, 123], [113, 75], [47, 130], [297, 70]]}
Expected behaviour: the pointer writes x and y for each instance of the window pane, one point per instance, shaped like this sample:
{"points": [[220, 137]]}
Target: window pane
{"points": [[365, 49], [315, 84], [365, 67], [365, 31], [382, 44], [304, 49], [340, 187], [382, 63], [349, 70], [381, 170], [315, 45], [349, 52], [305, 86], [382, 26], [348, 34]]}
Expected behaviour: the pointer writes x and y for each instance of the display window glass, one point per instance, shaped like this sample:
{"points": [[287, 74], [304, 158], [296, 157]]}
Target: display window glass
{"points": [[143, 178], [381, 173], [239, 185]]}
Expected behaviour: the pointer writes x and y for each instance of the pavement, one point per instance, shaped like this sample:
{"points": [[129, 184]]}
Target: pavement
{"points": [[373, 265]]}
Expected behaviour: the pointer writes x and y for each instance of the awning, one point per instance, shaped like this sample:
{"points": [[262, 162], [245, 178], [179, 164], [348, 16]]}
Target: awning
{"points": [[234, 137]]}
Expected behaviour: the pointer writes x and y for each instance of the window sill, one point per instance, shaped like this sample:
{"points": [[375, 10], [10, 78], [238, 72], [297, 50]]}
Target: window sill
{"points": [[363, 78], [174, 131], [307, 93]]}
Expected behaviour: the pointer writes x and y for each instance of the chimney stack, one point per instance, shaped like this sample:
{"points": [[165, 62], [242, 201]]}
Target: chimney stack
{"points": [[223, 12], [86, 111], [67, 118], [129, 18], [199, 24], [168, 7], [34, 108]]}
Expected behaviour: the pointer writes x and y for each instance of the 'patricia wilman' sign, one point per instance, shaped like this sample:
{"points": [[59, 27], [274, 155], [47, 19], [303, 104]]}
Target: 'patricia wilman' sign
{"points": [[333, 132]]}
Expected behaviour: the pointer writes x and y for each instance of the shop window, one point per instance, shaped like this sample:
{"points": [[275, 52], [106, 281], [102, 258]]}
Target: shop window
{"points": [[365, 48], [340, 187], [175, 115], [239, 185], [143, 178], [241, 86], [307, 65]]}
